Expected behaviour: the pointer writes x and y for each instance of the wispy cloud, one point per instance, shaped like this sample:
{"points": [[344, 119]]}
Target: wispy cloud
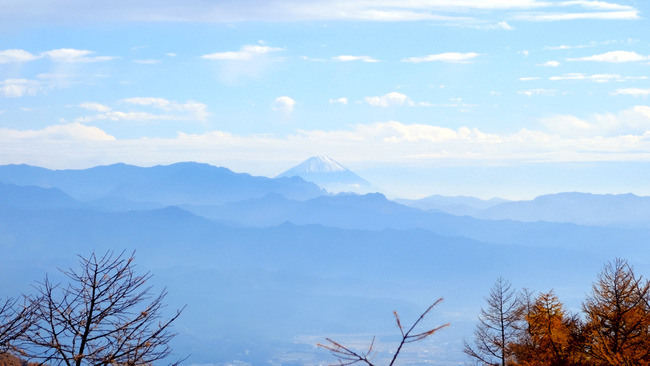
{"points": [[97, 107], [148, 61], [598, 5], [595, 10], [65, 132], [347, 58], [16, 56], [246, 53], [389, 100], [502, 25], [14, 88], [172, 111], [637, 92], [598, 78], [532, 92], [613, 57], [453, 12], [633, 121], [342, 100], [550, 64], [70, 55], [444, 57], [599, 137], [195, 110], [58, 55]]}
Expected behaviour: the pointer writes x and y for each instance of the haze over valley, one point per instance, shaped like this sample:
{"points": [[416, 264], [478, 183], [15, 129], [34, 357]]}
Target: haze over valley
{"points": [[268, 267], [293, 171]]}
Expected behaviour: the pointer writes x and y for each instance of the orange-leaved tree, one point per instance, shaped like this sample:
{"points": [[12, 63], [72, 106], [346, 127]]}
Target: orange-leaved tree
{"points": [[549, 336], [617, 328]]}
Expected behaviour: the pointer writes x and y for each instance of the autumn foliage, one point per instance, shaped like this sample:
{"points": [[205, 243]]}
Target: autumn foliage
{"points": [[613, 328]]}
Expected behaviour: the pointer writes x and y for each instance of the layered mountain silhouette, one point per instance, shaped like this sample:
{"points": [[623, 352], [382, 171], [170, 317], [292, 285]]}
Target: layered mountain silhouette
{"points": [[181, 183], [329, 174], [269, 267]]}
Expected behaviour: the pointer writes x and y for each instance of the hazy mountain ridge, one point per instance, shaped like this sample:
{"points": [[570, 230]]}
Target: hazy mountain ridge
{"points": [[271, 270], [268, 283], [181, 183], [580, 208], [458, 205]]}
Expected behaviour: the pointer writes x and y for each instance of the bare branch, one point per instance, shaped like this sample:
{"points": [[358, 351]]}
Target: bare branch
{"points": [[347, 356], [14, 321], [106, 315]]}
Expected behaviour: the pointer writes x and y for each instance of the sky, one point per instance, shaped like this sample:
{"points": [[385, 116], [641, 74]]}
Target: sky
{"points": [[507, 98]]}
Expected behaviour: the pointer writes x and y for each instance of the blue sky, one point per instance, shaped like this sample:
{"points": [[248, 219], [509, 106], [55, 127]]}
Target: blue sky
{"points": [[510, 98]]}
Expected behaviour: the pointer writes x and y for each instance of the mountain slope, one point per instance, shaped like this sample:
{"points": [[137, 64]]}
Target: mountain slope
{"points": [[459, 205], [181, 183], [579, 208], [249, 288], [33, 197]]}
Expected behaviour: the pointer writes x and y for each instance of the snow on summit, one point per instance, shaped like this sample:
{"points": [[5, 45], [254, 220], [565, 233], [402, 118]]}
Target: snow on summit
{"points": [[319, 164], [328, 174]]}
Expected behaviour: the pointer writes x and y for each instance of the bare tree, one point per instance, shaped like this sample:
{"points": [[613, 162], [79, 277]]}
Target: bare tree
{"points": [[106, 315], [14, 321], [348, 356], [497, 326]]}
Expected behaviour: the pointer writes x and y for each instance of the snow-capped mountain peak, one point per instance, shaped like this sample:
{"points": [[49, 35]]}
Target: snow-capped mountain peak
{"points": [[319, 164], [328, 174]]}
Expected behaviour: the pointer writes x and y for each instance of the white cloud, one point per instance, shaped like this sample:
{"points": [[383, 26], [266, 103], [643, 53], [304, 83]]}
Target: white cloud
{"points": [[621, 136], [550, 64], [390, 99], [396, 132], [354, 58], [596, 15], [561, 47], [196, 110], [149, 61], [123, 116], [598, 78], [444, 57], [504, 25], [598, 5], [173, 111], [14, 88], [613, 57], [637, 92], [16, 56], [633, 121], [529, 78], [447, 12], [66, 132], [531, 92], [245, 53], [95, 107], [70, 55], [283, 104], [343, 101]]}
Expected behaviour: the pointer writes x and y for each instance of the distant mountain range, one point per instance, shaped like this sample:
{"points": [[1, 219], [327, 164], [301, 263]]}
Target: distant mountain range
{"points": [[329, 174], [181, 183], [270, 266], [459, 205], [238, 198]]}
